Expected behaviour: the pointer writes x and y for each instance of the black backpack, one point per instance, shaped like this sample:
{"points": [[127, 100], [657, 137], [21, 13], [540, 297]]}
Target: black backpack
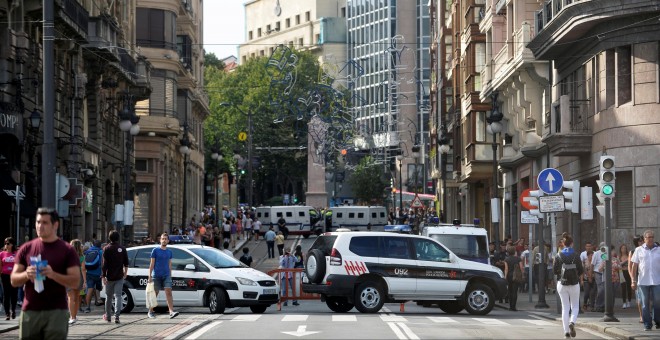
{"points": [[92, 259], [569, 273]]}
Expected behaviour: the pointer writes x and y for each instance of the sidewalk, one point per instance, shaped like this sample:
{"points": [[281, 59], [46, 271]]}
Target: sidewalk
{"points": [[628, 326]]}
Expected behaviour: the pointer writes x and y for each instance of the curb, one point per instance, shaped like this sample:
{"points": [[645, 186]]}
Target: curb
{"points": [[604, 328], [9, 329]]}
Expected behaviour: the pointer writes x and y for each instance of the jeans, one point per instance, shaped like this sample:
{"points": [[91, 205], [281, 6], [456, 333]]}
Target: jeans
{"points": [[113, 289], [513, 294], [286, 284], [271, 249], [570, 301], [10, 295], [600, 295], [650, 295], [589, 293]]}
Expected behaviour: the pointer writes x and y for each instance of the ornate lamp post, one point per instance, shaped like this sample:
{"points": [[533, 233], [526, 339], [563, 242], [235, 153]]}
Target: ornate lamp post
{"points": [[128, 122], [444, 148], [400, 159], [495, 127]]}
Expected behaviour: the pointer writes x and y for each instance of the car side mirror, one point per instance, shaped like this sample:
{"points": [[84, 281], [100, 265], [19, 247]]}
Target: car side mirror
{"points": [[452, 258], [190, 266]]}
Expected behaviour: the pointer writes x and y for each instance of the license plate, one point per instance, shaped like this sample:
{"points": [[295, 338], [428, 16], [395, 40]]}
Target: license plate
{"points": [[270, 291]]}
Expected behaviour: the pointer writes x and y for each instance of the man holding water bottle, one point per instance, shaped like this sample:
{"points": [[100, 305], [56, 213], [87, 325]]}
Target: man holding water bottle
{"points": [[47, 266]]}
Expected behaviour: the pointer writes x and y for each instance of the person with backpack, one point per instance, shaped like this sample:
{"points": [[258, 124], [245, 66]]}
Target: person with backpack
{"points": [[93, 261], [246, 258], [513, 273], [568, 269]]}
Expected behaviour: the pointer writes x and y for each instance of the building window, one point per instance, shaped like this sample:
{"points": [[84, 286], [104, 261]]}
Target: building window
{"points": [[277, 26], [268, 30], [623, 75], [307, 16], [250, 35], [141, 165], [156, 28], [300, 42], [343, 12], [297, 19], [258, 32], [287, 23]]}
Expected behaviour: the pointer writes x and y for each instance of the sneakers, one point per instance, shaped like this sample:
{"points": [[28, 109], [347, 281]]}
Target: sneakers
{"points": [[173, 315], [151, 315], [295, 303], [571, 328], [72, 321], [567, 336], [116, 320], [106, 318], [88, 310]]}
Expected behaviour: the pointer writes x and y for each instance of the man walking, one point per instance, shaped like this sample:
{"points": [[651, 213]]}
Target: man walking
{"points": [[286, 279], [45, 312], [596, 260], [270, 242], [160, 273], [93, 260], [113, 273], [646, 259]]}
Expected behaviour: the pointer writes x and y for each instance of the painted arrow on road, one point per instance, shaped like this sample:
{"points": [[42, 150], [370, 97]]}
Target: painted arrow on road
{"points": [[302, 331]]}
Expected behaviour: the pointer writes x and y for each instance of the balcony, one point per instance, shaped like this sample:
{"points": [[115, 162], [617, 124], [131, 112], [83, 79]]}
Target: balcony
{"points": [[73, 16], [567, 131]]}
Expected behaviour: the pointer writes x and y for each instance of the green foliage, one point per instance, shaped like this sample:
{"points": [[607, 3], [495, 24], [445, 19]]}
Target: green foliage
{"points": [[367, 181], [210, 60]]}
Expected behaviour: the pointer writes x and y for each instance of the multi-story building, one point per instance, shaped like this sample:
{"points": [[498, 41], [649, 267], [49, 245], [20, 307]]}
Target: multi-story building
{"points": [[106, 55], [570, 88]]}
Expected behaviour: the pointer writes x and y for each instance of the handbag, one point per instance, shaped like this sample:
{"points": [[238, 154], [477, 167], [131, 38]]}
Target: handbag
{"points": [[151, 299]]}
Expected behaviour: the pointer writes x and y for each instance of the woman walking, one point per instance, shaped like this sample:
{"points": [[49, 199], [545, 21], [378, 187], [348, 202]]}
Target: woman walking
{"points": [[626, 290], [510, 263], [74, 294], [10, 293], [568, 269]]}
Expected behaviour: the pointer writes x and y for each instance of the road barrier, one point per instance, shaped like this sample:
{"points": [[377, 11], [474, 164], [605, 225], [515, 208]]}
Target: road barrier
{"points": [[291, 289]]}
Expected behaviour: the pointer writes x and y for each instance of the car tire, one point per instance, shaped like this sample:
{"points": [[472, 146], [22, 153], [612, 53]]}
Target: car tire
{"points": [[450, 307], [338, 304], [315, 266], [217, 301], [127, 304], [258, 309], [478, 299], [369, 297]]}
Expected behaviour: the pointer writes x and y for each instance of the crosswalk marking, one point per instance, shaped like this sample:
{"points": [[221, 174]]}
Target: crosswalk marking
{"points": [[246, 317], [539, 322], [295, 318], [344, 318], [392, 318], [491, 322], [442, 319]]}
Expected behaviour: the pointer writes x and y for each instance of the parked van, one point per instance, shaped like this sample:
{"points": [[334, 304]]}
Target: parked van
{"points": [[300, 220], [467, 241], [357, 218]]}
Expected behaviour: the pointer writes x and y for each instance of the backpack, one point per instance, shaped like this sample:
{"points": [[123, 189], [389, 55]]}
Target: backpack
{"points": [[92, 259], [247, 259], [569, 273], [517, 274]]}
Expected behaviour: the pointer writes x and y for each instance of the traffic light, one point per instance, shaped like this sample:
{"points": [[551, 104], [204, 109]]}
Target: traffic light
{"points": [[534, 201], [295, 198], [607, 176], [572, 195], [242, 171]]}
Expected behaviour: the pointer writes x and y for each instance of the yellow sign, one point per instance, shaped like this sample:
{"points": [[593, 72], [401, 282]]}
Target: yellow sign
{"points": [[242, 136]]}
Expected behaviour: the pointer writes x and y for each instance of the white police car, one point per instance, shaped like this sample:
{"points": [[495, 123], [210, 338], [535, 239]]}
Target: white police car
{"points": [[201, 277], [366, 269]]}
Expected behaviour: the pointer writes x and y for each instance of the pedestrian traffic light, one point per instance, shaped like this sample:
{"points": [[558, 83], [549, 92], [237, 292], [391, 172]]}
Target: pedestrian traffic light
{"points": [[242, 171], [607, 176], [534, 201], [295, 198], [572, 195]]}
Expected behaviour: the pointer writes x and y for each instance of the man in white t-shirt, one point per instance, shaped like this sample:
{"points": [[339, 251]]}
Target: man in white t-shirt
{"points": [[646, 262], [588, 247], [247, 226], [524, 256], [596, 260]]}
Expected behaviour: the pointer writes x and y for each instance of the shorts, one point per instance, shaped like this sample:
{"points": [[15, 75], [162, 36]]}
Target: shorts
{"points": [[94, 281], [163, 282]]}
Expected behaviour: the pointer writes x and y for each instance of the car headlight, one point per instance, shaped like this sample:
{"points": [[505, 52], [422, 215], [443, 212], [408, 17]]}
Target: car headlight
{"points": [[499, 271], [246, 282]]}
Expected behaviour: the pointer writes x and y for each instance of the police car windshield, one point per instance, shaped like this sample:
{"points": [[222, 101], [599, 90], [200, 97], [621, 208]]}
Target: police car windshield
{"points": [[216, 258]]}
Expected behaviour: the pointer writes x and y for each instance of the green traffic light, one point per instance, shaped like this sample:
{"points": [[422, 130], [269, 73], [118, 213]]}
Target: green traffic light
{"points": [[607, 189]]}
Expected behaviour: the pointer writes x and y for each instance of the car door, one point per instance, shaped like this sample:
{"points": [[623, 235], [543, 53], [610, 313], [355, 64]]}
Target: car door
{"points": [[187, 282], [441, 277], [398, 266]]}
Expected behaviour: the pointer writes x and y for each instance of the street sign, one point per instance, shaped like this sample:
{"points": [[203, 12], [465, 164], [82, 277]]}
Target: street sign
{"points": [[525, 203], [527, 218], [550, 181], [551, 204], [416, 202], [242, 136]]}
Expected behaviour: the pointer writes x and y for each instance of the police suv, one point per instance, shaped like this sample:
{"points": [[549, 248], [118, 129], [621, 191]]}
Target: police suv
{"points": [[201, 277], [366, 269]]}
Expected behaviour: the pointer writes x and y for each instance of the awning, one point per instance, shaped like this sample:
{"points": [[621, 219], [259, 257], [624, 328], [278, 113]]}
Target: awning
{"points": [[7, 185]]}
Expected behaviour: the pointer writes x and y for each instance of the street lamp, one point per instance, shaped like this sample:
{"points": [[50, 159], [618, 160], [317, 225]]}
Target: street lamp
{"points": [[184, 148], [400, 159], [444, 148], [495, 127], [249, 150]]}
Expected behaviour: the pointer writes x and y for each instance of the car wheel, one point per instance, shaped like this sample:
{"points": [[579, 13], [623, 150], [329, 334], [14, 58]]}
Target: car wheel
{"points": [[369, 297], [338, 304], [315, 266], [217, 301], [258, 309], [478, 299], [451, 307], [127, 304]]}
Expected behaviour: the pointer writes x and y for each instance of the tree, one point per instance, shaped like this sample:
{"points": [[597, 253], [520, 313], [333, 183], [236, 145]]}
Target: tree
{"points": [[367, 181]]}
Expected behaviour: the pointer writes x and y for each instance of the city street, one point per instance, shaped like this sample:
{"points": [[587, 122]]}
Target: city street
{"points": [[313, 320]]}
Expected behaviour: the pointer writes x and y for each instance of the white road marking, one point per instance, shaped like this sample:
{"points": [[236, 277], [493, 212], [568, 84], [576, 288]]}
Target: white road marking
{"points": [[539, 322], [344, 318], [183, 330], [392, 318], [396, 331], [442, 319], [246, 317], [408, 331], [491, 322], [295, 318], [203, 330]]}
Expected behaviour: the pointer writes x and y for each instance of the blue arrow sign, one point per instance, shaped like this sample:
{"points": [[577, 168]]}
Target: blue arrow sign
{"points": [[550, 181]]}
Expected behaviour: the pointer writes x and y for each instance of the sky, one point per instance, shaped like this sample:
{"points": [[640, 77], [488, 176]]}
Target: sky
{"points": [[224, 27]]}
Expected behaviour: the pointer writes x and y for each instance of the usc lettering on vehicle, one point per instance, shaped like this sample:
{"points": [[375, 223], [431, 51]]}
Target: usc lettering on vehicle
{"points": [[355, 267]]}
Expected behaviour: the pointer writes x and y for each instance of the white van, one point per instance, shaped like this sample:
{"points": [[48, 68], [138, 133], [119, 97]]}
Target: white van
{"points": [[467, 241], [356, 218], [300, 219]]}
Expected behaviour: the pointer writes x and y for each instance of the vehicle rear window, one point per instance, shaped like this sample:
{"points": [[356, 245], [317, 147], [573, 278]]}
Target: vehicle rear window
{"points": [[324, 243], [364, 246]]}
